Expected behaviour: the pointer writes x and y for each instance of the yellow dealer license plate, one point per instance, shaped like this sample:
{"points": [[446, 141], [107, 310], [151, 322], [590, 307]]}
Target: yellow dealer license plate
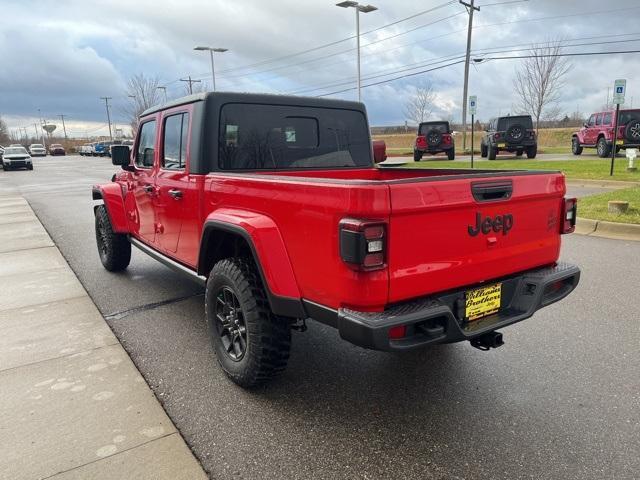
{"points": [[482, 301], [502, 145], [619, 142]]}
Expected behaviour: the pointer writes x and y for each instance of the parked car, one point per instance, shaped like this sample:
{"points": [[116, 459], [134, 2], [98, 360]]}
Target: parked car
{"points": [[433, 138], [379, 151], [56, 149], [275, 204], [98, 149], [84, 149], [513, 134], [16, 157], [597, 132], [37, 150]]}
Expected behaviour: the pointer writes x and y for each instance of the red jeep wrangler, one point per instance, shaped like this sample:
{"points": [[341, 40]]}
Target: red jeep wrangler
{"points": [[434, 137], [598, 132], [274, 203]]}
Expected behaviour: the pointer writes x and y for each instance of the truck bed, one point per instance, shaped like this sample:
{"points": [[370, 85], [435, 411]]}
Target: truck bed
{"points": [[428, 215]]}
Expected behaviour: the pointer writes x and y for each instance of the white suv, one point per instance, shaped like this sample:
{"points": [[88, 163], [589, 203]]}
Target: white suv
{"points": [[37, 150]]}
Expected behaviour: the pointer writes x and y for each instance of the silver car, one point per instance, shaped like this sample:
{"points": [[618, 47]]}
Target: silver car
{"points": [[37, 150], [16, 157]]}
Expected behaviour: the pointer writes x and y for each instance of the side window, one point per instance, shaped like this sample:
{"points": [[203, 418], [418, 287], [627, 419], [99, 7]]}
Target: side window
{"points": [[176, 130], [592, 120], [146, 145], [607, 119], [599, 119]]}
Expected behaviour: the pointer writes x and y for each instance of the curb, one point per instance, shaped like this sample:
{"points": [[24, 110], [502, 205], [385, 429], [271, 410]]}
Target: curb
{"points": [[604, 229], [577, 182]]}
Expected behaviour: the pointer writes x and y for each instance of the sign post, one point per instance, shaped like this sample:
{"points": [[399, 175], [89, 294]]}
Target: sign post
{"points": [[473, 104], [619, 88]]}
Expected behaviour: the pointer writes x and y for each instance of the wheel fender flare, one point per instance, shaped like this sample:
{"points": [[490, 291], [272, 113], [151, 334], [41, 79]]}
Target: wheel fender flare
{"points": [[111, 196], [270, 254]]}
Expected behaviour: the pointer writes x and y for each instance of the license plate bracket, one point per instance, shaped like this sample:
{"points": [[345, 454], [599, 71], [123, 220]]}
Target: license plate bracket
{"points": [[481, 302]]}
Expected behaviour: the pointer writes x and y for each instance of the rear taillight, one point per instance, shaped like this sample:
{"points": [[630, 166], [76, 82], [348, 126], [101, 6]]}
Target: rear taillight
{"points": [[446, 139], [421, 141], [363, 243], [496, 135], [569, 212], [532, 133]]}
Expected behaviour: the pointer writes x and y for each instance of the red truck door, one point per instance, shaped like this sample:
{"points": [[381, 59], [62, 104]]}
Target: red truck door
{"points": [[172, 179], [144, 182]]}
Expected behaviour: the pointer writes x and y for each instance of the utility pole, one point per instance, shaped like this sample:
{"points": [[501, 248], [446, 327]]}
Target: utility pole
{"points": [[35, 129], [470, 8], [190, 83], [106, 104], [64, 127]]}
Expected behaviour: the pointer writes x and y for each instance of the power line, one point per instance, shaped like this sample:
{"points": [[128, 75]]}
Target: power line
{"points": [[330, 44], [434, 61], [492, 58]]}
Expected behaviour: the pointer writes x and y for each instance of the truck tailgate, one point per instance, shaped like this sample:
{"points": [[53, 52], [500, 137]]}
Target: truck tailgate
{"points": [[446, 234]]}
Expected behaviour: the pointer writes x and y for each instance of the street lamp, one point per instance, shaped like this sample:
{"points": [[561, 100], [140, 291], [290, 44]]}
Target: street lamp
{"points": [[358, 8], [211, 50]]}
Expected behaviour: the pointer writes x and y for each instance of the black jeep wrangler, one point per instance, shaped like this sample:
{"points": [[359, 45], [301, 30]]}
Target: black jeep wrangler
{"points": [[510, 134], [434, 137]]}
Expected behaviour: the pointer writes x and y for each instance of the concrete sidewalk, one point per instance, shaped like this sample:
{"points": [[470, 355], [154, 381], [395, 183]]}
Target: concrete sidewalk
{"points": [[72, 404]]}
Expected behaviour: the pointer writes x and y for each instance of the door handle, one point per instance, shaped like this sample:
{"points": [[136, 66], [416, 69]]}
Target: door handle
{"points": [[177, 194], [148, 188]]}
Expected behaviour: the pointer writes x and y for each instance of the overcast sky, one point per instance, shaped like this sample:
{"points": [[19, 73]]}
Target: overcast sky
{"points": [[62, 56]]}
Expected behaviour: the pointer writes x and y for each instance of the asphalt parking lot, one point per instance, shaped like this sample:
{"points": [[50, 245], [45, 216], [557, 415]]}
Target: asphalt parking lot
{"points": [[561, 399]]}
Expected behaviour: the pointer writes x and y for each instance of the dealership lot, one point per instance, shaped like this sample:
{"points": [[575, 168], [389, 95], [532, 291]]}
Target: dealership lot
{"points": [[560, 400]]}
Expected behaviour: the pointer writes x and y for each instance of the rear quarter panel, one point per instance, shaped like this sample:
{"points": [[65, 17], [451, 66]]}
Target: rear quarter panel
{"points": [[307, 213]]}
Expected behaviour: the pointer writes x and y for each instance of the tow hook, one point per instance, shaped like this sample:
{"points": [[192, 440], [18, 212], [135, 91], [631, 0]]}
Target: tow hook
{"points": [[487, 341]]}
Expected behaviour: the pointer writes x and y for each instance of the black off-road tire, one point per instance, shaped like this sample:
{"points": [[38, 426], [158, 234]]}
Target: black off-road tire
{"points": [[268, 337], [417, 156], [576, 148], [451, 154], [532, 151], [603, 148], [519, 152], [483, 150], [30, 167], [114, 248], [492, 152]]}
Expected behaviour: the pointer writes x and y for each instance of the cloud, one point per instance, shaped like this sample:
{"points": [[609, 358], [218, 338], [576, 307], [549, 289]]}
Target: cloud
{"points": [[62, 56]]}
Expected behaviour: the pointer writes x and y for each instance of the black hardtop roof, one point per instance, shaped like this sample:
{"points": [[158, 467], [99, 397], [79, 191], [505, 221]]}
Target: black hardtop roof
{"points": [[434, 121], [512, 116], [260, 98]]}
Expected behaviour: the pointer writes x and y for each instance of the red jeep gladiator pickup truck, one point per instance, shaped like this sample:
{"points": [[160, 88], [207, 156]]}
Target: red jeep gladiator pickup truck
{"points": [[274, 203]]}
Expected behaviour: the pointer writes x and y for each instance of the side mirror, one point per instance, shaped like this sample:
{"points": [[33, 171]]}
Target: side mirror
{"points": [[585, 125], [120, 155]]}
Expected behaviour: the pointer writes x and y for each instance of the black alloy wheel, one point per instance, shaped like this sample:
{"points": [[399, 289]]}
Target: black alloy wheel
{"points": [[434, 138], [515, 133], [230, 324], [632, 130]]}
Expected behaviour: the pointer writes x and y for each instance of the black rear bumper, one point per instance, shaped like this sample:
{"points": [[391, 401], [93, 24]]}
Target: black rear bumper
{"points": [[439, 319]]}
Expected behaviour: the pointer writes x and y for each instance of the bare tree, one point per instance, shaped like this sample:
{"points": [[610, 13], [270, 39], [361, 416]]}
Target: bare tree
{"points": [[540, 78], [420, 105], [143, 93], [4, 133]]}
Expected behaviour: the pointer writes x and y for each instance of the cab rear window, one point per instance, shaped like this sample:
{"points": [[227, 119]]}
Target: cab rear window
{"points": [[273, 137], [506, 122]]}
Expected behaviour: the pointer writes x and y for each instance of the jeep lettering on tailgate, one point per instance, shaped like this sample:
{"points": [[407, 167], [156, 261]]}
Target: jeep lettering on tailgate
{"points": [[502, 223]]}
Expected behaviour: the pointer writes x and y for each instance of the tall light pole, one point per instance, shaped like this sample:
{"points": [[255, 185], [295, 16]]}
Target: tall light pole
{"points": [[211, 50], [358, 8], [106, 104], [63, 126], [471, 8], [164, 90]]}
